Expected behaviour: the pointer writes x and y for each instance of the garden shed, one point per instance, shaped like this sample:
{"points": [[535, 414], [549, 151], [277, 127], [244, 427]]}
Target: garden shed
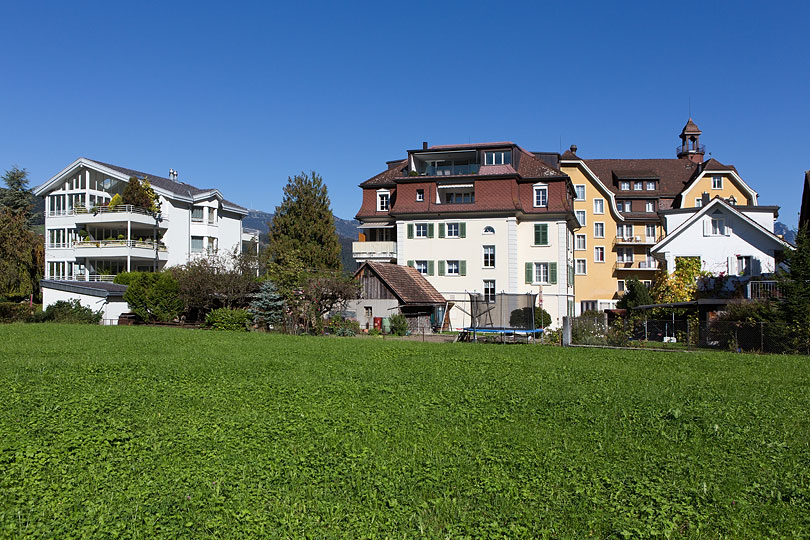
{"points": [[386, 289], [96, 295]]}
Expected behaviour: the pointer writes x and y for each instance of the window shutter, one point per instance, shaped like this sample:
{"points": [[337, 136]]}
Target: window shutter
{"points": [[410, 263], [529, 272], [536, 234], [732, 266], [707, 227], [430, 230], [441, 268], [462, 268], [441, 230], [410, 233], [462, 230], [552, 273], [430, 268], [544, 234]]}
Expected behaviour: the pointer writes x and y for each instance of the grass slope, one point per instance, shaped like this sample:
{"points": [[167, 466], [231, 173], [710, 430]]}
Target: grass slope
{"points": [[160, 432]]}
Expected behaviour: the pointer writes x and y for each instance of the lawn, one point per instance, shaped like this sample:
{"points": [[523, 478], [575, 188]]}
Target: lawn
{"points": [[139, 432]]}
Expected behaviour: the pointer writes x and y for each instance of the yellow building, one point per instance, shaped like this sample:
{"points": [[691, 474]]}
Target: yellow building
{"points": [[617, 205]]}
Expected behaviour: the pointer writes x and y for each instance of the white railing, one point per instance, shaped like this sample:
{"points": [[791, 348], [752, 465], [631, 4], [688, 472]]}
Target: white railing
{"points": [[120, 243], [82, 277], [57, 213], [120, 208], [763, 289]]}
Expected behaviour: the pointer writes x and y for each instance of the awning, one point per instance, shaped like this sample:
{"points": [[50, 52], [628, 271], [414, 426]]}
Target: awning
{"points": [[375, 226], [454, 186]]}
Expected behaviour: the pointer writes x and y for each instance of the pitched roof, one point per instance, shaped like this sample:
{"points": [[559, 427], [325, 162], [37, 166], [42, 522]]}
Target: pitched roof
{"points": [[690, 127], [405, 282], [178, 188], [386, 178], [673, 174], [101, 289]]}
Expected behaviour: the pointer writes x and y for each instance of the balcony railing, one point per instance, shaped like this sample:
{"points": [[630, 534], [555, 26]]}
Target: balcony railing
{"points": [[121, 208], [637, 265], [81, 277], [120, 243], [448, 170], [374, 250], [635, 240], [763, 289], [689, 149]]}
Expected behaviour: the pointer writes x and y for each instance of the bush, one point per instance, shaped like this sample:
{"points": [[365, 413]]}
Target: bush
{"points": [[115, 201], [153, 296], [521, 318], [229, 319], [15, 312], [374, 332], [69, 311], [124, 278], [340, 326], [399, 324]]}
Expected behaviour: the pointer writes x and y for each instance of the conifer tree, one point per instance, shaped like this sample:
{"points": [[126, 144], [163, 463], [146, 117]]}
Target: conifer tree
{"points": [[795, 305], [16, 196]]}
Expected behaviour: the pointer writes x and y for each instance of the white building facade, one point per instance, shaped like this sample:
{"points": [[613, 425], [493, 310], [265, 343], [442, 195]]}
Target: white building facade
{"points": [[482, 219], [87, 240]]}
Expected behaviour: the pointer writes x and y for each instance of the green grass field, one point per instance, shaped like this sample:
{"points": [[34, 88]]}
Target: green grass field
{"points": [[139, 432]]}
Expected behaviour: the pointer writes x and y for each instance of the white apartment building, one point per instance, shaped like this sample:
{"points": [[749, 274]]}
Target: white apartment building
{"points": [[86, 240], [478, 218]]}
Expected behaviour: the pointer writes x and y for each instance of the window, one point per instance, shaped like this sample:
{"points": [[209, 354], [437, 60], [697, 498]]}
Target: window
{"points": [[698, 202], [718, 227], [489, 290], [732, 200], [624, 231], [581, 267], [627, 206], [540, 196], [638, 186], [501, 157], [580, 214], [599, 254], [580, 189], [650, 186], [452, 230], [624, 254], [650, 207], [620, 286], [420, 195], [452, 268], [580, 243], [717, 182], [541, 234], [459, 197], [624, 186], [489, 230], [212, 244], [743, 265], [489, 256], [541, 272], [212, 215], [197, 214], [196, 244], [599, 206], [599, 229], [650, 232], [422, 267], [647, 283], [421, 230], [383, 201], [368, 312]]}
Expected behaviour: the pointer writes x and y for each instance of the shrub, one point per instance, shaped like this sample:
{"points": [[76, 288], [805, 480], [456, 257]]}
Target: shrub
{"points": [[340, 326], [153, 296], [115, 201], [69, 311], [521, 318], [374, 332], [124, 278], [229, 319], [399, 324], [268, 306], [14, 312]]}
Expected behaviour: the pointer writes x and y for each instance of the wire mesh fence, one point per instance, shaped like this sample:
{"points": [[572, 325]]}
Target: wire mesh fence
{"points": [[765, 337]]}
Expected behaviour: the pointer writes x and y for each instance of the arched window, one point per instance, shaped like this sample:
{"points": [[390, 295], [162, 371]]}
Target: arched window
{"points": [[489, 230]]}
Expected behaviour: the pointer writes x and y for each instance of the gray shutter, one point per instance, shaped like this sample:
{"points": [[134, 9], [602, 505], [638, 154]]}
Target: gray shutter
{"points": [[529, 272], [462, 268], [441, 268], [441, 230], [430, 268], [544, 234], [430, 230], [410, 232], [462, 230], [536, 235], [410, 263], [552, 273]]}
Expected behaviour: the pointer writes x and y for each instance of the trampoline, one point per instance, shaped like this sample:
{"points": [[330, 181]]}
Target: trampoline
{"points": [[502, 314]]}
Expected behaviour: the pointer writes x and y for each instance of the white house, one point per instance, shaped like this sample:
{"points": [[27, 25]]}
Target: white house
{"points": [[728, 239]]}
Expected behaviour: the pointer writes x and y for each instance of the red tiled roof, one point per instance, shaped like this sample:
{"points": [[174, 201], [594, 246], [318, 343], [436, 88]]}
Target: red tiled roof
{"points": [[405, 282], [674, 173], [386, 178], [690, 127]]}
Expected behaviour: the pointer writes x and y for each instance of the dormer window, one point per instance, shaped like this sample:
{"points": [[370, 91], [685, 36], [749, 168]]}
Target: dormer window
{"points": [[540, 195], [624, 186], [383, 200], [499, 157], [650, 186], [420, 195]]}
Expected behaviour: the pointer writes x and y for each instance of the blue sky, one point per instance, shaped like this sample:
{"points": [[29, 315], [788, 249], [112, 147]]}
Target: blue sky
{"points": [[240, 96]]}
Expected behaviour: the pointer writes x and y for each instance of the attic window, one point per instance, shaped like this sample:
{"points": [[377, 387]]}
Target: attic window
{"points": [[500, 157], [383, 200], [717, 182], [489, 230], [420, 195], [624, 186]]}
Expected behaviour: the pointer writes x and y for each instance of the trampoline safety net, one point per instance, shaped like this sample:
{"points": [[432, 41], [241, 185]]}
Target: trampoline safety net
{"points": [[503, 312]]}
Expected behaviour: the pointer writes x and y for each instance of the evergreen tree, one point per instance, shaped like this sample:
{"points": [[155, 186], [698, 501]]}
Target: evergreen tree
{"points": [[268, 306], [16, 196], [141, 194], [22, 255], [795, 305], [303, 226], [636, 294]]}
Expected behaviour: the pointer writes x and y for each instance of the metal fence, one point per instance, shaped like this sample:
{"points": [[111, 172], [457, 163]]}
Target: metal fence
{"points": [[766, 337]]}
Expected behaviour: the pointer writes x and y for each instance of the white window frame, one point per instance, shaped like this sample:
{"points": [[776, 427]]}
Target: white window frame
{"points": [[416, 228], [489, 285], [422, 264], [624, 255], [717, 182], [624, 185], [538, 189], [420, 195], [647, 234], [202, 244], [628, 207], [584, 238], [638, 186], [599, 206], [539, 269], [497, 157], [485, 254], [650, 185], [457, 232], [584, 263], [650, 207], [743, 258], [596, 251], [699, 202], [490, 231], [601, 225], [620, 286], [577, 189], [383, 195], [718, 226], [584, 215], [456, 268]]}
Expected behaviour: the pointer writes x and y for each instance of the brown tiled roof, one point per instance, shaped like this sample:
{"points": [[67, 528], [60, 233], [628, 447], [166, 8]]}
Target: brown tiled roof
{"points": [[674, 174], [531, 166], [690, 127], [714, 165], [386, 178], [405, 282], [471, 145], [568, 154]]}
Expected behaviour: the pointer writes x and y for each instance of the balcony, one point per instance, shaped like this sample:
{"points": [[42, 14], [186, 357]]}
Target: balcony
{"points": [[374, 251], [143, 249], [450, 170], [760, 290], [635, 241], [637, 265], [690, 149], [118, 214]]}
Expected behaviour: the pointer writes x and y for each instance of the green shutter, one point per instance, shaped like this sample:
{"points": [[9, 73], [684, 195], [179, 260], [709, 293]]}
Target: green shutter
{"points": [[552, 273], [441, 230], [441, 268], [410, 234], [462, 268], [462, 230], [529, 272], [410, 263], [430, 268], [544, 234], [430, 230], [536, 234]]}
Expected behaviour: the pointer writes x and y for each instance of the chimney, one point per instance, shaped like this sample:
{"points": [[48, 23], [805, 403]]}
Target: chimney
{"points": [[704, 199], [424, 145], [573, 149]]}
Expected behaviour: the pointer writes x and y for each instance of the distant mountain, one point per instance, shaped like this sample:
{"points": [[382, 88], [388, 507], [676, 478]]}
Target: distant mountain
{"points": [[787, 233]]}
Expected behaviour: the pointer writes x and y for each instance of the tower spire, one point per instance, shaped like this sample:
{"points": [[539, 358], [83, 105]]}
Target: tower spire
{"points": [[690, 147]]}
